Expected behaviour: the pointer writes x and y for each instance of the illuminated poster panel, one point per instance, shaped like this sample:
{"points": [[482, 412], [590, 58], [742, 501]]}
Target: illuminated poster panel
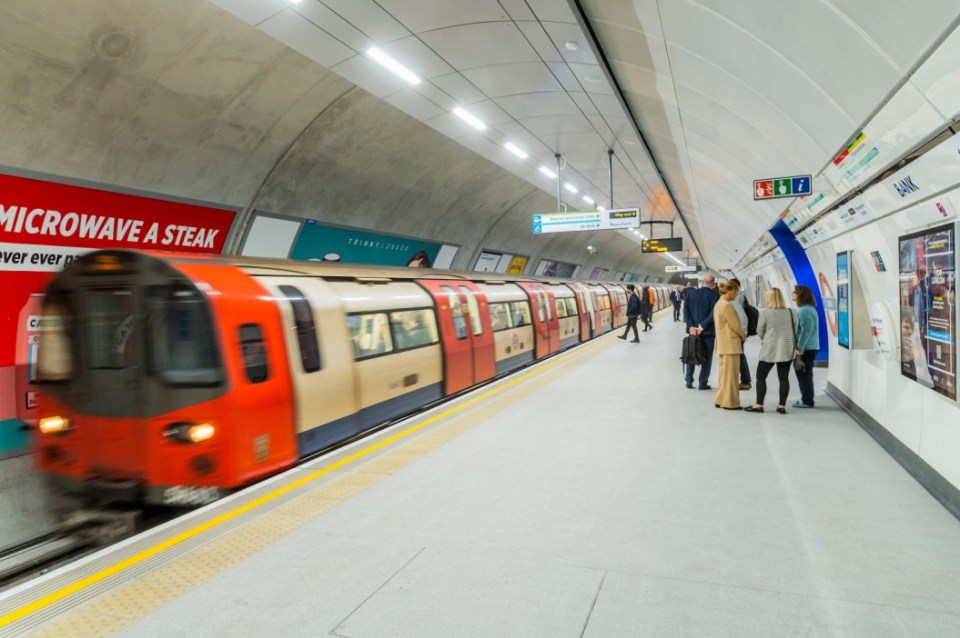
{"points": [[843, 300], [928, 320]]}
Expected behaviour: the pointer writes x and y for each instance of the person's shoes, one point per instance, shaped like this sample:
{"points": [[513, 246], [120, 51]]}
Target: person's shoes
{"points": [[745, 386], [781, 410], [736, 408], [750, 408], [621, 337], [689, 386], [801, 405], [704, 387], [634, 341], [716, 405]]}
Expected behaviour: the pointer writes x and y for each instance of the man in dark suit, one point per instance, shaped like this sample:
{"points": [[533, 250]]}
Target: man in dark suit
{"points": [[698, 315]]}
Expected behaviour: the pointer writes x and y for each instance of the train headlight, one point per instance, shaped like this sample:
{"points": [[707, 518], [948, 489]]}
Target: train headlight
{"points": [[54, 425], [190, 432]]}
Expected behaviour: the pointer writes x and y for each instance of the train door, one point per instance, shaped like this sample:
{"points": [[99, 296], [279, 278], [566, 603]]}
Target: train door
{"points": [[465, 333], [583, 312], [545, 322]]}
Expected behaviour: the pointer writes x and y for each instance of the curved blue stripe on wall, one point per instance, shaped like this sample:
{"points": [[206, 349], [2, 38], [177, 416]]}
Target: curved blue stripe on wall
{"points": [[803, 273]]}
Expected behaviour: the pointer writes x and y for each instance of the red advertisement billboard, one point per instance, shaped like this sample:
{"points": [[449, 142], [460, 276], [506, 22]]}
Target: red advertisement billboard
{"points": [[45, 225]]}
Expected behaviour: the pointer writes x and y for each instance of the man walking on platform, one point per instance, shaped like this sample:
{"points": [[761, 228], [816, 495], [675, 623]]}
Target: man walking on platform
{"points": [[675, 300], [698, 315], [633, 312]]}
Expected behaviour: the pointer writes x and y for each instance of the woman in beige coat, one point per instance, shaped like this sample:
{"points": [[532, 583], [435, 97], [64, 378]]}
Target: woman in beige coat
{"points": [[730, 337]]}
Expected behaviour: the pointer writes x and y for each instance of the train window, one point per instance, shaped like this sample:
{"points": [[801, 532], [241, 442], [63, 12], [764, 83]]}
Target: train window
{"points": [[109, 326], [253, 353], [54, 359], [520, 313], [371, 334], [605, 300], [306, 328], [413, 328], [541, 313], [183, 347], [561, 308], [499, 316], [456, 309], [571, 306], [474, 308]]}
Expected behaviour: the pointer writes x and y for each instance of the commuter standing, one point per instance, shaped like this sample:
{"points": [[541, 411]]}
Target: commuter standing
{"points": [[808, 342], [633, 311], [646, 308], [675, 300], [698, 315], [730, 337], [738, 305], [775, 329]]}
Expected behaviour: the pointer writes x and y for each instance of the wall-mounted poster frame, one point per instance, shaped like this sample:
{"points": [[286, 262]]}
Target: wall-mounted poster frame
{"points": [[928, 321], [843, 299]]}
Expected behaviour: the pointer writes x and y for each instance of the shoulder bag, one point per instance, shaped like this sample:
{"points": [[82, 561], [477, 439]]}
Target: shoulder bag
{"points": [[798, 363]]}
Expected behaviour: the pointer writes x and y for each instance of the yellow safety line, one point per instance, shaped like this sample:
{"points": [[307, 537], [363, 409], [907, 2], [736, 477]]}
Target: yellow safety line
{"points": [[116, 568]]}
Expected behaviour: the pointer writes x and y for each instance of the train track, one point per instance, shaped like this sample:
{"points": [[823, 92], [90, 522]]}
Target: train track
{"points": [[36, 555]]}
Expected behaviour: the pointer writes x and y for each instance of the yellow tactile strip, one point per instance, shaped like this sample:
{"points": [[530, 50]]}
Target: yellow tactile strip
{"points": [[125, 602]]}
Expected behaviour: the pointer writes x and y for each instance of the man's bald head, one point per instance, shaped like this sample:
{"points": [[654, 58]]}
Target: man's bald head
{"points": [[709, 281]]}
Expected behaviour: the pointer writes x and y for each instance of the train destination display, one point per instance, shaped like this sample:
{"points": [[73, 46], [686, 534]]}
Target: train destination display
{"points": [[928, 320], [664, 245]]}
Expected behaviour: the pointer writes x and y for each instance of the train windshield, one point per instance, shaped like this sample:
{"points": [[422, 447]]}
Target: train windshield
{"points": [[183, 347], [109, 325]]}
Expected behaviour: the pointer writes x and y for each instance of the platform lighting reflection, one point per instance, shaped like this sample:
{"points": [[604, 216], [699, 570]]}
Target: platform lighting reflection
{"points": [[570, 187], [516, 150], [546, 171], [469, 119], [394, 66]]}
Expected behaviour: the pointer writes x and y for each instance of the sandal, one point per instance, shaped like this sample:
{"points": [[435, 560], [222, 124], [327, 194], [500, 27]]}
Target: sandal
{"points": [[750, 408]]}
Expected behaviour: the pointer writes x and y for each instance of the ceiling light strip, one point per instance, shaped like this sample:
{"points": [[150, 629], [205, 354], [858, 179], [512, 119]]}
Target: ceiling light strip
{"points": [[379, 56]]}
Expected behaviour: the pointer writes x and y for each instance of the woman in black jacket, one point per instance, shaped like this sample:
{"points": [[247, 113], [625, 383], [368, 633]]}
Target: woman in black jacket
{"points": [[633, 311]]}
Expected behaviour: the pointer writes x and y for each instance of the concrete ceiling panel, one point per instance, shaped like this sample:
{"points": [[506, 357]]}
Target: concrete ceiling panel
{"points": [[513, 79], [427, 15], [414, 104], [369, 75], [253, 11], [417, 56], [460, 89], [326, 19], [532, 104], [540, 41], [474, 45], [369, 16], [303, 36]]}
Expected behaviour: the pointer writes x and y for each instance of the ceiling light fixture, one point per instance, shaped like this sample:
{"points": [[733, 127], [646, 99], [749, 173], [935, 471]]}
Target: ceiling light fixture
{"points": [[516, 150], [546, 171], [571, 45], [469, 119], [592, 79], [601, 208], [588, 199], [391, 64], [570, 187]]}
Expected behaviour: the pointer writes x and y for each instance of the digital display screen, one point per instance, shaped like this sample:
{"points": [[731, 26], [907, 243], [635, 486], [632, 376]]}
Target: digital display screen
{"points": [[927, 317], [666, 245], [843, 300]]}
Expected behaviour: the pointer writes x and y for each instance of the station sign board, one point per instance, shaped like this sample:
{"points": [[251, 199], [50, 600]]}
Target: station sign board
{"points": [[775, 187], [614, 219], [663, 245], [680, 269]]}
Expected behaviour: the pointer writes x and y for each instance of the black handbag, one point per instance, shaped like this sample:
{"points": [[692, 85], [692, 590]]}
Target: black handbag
{"points": [[798, 363]]}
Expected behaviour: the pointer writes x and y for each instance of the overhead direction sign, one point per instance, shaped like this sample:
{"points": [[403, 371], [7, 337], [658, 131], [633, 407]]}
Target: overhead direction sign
{"points": [[774, 187], [615, 219], [663, 245], [680, 269]]}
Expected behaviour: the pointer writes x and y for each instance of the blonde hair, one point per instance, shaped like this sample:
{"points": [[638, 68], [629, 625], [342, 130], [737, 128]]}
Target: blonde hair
{"points": [[773, 298], [727, 286]]}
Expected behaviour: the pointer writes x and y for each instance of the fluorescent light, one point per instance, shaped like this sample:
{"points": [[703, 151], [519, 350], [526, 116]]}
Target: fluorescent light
{"points": [[570, 187], [601, 208], [391, 64], [546, 171], [469, 119], [295, 1], [588, 199], [516, 150]]}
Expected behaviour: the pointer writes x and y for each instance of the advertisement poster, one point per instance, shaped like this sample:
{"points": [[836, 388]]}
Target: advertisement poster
{"points": [[843, 300], [928, 318], [517, 265], [550, 268], [331, 243]]}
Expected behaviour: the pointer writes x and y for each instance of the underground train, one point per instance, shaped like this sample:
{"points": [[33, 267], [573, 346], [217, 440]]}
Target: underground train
{"points": [[172, 379]]}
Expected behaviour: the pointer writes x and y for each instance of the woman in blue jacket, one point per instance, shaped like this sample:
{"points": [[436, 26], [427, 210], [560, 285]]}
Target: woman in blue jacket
{"points": [[808, 342]]}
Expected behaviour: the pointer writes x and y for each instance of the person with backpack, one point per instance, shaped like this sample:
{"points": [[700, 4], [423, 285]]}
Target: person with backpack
{"points": [[740, 306], [633, 312], [646, 308]]}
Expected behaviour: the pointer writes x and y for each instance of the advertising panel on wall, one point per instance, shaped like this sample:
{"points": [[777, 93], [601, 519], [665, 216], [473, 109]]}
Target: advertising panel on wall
{"points": [[517, 265], [843, 299], [487, 261], [927, 314], [551, 268], [349, 245]]}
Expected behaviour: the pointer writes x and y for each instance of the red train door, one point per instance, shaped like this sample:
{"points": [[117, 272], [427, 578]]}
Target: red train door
{"points": [[465, 332], [545, 321]]}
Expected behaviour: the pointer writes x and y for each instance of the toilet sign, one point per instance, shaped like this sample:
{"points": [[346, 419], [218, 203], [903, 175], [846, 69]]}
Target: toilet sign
{"points": [[774, 187]]}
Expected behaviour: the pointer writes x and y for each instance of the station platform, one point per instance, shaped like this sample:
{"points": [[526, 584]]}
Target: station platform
{"points": [[591, 496]]}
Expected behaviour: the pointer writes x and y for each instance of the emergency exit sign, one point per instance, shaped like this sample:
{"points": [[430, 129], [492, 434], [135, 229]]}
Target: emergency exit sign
{"points": [[774, 187]]}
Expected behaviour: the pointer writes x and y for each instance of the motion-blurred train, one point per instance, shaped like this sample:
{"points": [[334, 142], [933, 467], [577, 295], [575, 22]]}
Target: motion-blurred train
{"points": [[172, 379]]}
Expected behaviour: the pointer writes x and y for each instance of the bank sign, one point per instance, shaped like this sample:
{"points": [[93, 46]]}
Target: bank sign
{"points": [[616, 219]]}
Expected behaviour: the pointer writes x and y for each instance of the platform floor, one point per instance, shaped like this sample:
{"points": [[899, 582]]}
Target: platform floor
{"points": [[594, 497]]}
